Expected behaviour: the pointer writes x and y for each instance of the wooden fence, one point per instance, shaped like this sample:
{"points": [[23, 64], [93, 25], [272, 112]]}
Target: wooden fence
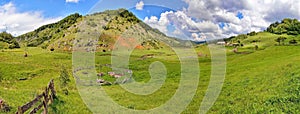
{"points": [[48, 95]]}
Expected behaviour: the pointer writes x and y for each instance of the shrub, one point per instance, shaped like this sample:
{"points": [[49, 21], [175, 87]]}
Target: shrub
{"points": [[293, 42], [280, 39], [64, 79], [256, 47], [253, 33]]}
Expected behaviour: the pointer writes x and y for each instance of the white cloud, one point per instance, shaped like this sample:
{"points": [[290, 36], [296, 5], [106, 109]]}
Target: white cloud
{"points": [[18, 23], [273, 10], [161, 23], [197, 37], [72, 1], [139, 5], [184, 26], [201, 18]]}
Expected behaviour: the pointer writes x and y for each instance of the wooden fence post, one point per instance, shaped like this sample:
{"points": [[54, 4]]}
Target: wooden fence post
{"points": [[20, 111], [52, 89], [48, 94], [45, 104]]}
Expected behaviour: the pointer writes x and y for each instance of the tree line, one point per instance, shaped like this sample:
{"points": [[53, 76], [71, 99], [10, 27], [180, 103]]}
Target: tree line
{"points": [[9, 39], [286, 26]]}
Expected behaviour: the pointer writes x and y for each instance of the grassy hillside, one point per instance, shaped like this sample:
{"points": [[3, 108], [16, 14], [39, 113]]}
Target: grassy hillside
{"points": [[110, 26], [21, 79], [266, 81], [46, 35], [263, 74], [259, 41], [261, 82]]}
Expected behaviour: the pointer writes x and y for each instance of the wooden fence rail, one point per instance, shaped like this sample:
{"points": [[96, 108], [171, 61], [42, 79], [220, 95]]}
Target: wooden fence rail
{"points": [[48, 95]]}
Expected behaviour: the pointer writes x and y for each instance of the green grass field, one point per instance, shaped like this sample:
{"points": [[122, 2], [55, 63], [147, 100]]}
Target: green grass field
{"points": [[263, 81]]}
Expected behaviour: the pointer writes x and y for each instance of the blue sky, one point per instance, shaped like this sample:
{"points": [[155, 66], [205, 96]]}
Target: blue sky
{"points": [[52, 8], [188, 19]]}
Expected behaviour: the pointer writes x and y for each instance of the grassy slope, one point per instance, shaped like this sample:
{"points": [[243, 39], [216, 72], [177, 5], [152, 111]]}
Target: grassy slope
{"points": [[39, 68], [257, 83], [263, 81], [265, 39]]}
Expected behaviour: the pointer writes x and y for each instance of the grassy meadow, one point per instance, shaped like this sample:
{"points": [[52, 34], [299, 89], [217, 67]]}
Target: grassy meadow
{"points": [[266, 80]]}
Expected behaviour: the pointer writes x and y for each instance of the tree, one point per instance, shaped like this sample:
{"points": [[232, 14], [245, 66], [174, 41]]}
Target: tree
{"points": [[253, 33], [280, 39]]}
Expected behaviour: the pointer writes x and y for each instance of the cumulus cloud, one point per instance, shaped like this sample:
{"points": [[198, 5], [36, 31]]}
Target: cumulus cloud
{"points": [[18, 23], [197, 37], [203, 19], [72, 1], [139, 5], [184, 26], [274, 10], [159, 23]]}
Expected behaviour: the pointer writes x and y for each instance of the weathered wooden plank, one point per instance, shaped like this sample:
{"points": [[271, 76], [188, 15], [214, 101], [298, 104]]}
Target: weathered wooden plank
{"points": [[31, 103], [48, 94], [34, 110]]}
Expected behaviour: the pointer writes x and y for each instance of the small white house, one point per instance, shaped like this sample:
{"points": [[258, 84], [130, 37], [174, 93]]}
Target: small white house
{"points": [[221, 43]]}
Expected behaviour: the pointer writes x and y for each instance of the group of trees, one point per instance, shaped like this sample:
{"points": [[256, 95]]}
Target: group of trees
{"points": [[281, 40], [9, 39], [286, 26], [63, 24]]}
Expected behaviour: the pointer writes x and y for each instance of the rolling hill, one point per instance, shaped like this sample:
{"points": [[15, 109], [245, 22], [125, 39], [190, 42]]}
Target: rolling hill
{"points": [[262, 75], [110, 25], [285, 33]]}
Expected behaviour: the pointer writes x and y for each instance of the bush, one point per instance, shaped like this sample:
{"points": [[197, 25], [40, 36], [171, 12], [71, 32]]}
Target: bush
{"points": [[256, 47], [64, 78], [293, 42], [280, 39], [253, 33]]}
